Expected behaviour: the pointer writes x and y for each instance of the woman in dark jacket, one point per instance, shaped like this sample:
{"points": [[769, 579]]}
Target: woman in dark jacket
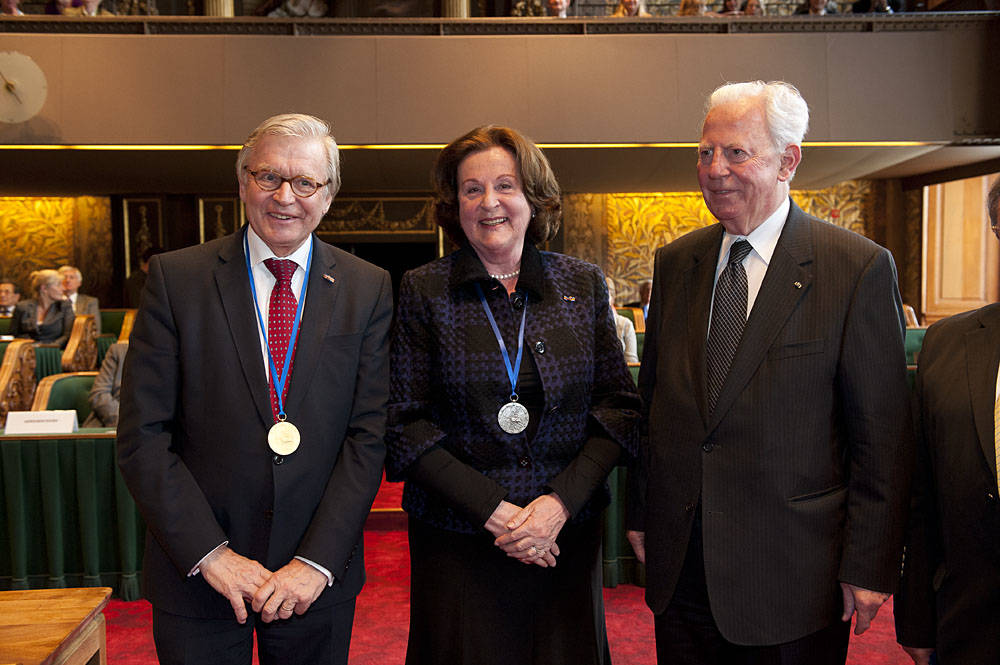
{"points": [[510, 403], [48, 317]]}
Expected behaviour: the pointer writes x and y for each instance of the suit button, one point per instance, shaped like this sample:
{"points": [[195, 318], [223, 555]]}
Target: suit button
{"points": [[525, 462], [707, 447], [539, 347], [689, 507], [278, 459], [269, 514]]}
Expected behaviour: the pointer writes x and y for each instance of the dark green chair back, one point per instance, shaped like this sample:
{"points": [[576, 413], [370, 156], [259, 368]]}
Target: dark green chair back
{"points": [[627, 312], [104, 343], [640, 341], [634, 369], [913, 341], [111, 322], [48, 361], [5, 325], [72, 392], [3, 349]]}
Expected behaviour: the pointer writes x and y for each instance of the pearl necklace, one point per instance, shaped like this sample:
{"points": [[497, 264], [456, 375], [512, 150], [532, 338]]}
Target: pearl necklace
{"points": [[506, 276]]}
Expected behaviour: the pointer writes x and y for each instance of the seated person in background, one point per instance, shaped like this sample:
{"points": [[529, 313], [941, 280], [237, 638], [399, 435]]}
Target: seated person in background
{"points": [[816, 8], [754, 8], [623, 327], [137, 280], [86, 8], [731, 8], [107, 388], [645, 290], [10, 293], [558, 7], [631, 8], [82, 304], [48, 317], [10, 8]]}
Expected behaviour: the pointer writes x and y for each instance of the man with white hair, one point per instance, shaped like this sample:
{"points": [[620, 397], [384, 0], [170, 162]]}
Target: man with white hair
{"points": [[82, 303], [252, 414], [769, 502]]}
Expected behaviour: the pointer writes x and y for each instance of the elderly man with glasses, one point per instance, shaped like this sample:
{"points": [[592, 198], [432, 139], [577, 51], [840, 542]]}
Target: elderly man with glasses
{"points": [[252, 415]]}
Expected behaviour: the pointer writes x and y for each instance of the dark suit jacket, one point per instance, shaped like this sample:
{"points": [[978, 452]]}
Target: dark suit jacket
{"points": [[89, 305], [55, 329], [949, 597], [195, 411], [800, 468]]}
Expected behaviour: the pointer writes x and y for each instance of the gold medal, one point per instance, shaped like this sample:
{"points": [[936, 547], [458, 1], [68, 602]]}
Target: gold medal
{"points": [[283, 438]]}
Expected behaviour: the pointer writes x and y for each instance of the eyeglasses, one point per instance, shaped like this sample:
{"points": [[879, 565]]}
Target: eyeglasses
{"points": [[303, 186]]}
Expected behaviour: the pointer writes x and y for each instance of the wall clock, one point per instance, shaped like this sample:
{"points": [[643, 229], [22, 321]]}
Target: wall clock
{"points": [[22, 87]]}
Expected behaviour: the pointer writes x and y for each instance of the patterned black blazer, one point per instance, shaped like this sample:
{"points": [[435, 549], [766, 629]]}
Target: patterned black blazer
{"points": [[448, 381]]}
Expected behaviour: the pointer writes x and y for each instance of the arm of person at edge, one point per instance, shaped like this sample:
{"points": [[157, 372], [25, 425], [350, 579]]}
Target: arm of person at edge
{"points": [[537, 526], [880, 440], [185, 525], [295, 586], [915, 604]]}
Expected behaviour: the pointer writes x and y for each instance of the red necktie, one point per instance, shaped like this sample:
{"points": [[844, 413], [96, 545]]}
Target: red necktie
{"points": [[280, 318]]}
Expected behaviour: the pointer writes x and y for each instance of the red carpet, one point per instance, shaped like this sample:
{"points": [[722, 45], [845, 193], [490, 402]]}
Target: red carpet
{"points": [[380, 625]]}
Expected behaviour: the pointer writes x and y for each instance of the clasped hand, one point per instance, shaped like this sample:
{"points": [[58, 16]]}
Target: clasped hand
{"points": [[529, 534], [290, 589]]}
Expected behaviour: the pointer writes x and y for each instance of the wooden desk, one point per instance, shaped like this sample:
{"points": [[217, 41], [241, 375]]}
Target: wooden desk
{"points": [[53, 626]]}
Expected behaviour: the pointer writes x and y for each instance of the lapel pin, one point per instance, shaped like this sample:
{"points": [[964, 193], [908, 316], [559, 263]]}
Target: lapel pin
{"points": [[569, 298], [332, 280], [798, 285]]}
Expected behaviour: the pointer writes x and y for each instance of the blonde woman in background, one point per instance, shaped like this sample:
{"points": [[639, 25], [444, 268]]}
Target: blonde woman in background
{"points": [[623, 327], [48, 317]]}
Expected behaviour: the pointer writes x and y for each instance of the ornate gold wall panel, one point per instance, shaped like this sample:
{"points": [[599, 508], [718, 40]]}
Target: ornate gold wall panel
{"points": [[49, 232], [629, 227]]}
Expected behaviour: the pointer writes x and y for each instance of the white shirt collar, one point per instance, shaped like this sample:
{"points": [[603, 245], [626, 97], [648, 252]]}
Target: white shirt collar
{"points": [[764, 238], [259, 251]]}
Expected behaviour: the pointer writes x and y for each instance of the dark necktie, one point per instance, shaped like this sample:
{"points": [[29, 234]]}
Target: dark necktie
{"points": [[280, 318], [729, 316]]}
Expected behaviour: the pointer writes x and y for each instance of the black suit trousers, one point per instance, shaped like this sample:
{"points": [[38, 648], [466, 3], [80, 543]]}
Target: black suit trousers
{"points": [[686, 632], [321, 636]]}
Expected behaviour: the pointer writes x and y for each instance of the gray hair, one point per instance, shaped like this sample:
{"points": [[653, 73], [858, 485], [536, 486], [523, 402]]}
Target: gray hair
{"points": [[785, 112], [993, 206], [298, 125], [65, 270]]}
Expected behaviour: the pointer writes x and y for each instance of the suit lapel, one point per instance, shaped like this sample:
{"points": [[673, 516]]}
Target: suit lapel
{"points": [[786, 282], [234, 290], [979, 344], [317, 315], [699, 280]]}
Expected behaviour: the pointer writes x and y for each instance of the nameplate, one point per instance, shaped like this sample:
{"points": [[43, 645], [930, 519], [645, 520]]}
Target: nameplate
{"points": [[41, 422]]}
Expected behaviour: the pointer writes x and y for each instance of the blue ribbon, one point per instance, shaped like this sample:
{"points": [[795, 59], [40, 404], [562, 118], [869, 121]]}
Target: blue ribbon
{"points": [[511, 371], [279, 384]]}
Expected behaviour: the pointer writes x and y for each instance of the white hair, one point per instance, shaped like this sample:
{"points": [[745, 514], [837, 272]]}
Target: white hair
{"points": [[785, 112], [298, 125]]}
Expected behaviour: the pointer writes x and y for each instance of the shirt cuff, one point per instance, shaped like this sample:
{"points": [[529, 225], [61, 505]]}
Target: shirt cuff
{"points": [[197, 567], [329, 576]]}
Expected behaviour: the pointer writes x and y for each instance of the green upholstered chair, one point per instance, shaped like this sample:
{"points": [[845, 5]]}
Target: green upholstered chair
{"points": [[65, 391], [635, 315], [5, 324], [104, 343], [117, 322], [640, 341], [633, 368], [913, 341]]}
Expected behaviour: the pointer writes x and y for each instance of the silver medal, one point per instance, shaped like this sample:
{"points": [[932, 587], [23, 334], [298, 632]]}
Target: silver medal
{"points": [[513, 418], [283, 438]]}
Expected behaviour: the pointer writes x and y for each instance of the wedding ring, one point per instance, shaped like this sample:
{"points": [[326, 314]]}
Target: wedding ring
{"points": [[534, 551]]}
